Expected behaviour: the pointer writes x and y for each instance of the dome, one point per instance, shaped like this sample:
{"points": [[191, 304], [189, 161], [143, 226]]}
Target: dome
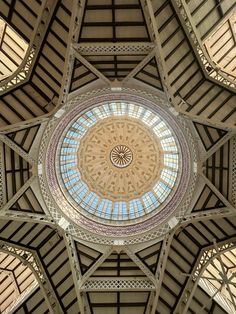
{"points": [[115, 164], [118, 161]]}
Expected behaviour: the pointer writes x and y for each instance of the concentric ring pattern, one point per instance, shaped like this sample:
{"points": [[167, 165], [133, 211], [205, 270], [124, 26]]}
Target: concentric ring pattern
{"points": [[118, 161]]}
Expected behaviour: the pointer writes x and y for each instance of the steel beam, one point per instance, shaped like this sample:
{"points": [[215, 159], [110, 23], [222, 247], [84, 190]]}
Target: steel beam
{"points": [[218, 194], [24, 124], [17, 149], [139, 66], [161, 267], [89, 273], [75, 269], [30, 259], [74, 30], [114, 49], [16, 196], [88, 65], [23, 72], [140, 264], [218, 144]]}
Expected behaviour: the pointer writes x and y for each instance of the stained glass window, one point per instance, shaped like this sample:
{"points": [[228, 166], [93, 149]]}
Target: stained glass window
{"points": [[77, 189]]}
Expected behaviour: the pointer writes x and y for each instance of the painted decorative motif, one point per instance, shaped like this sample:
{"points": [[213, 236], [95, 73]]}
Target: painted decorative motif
{"points": [[119, 225]]}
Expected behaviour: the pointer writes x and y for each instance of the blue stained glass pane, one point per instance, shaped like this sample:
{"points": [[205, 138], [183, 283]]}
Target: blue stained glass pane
{"points": [[119, 210]]}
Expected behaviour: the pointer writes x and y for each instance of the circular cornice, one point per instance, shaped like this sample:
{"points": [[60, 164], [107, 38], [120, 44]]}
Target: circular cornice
{"points": [[98, 227]]}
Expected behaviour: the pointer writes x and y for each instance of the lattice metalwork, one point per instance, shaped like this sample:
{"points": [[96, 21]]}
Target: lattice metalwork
{"points": [[118, 285], [28, 258], [207, 64], [21, 74], [114, 49], [205, 258], [2, 180], [37, 37], [234, 171], [209, 255], [25, 255], [82, 233]]}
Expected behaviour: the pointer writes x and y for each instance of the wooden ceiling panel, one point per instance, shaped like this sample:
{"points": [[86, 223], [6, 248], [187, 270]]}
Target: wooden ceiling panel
{"points": [[207, 14], [86, 256], [35, 304], [207, 200], [24, 137], [218, 167], [21, 15], [17, 171], [113, 21], [150, 256]]}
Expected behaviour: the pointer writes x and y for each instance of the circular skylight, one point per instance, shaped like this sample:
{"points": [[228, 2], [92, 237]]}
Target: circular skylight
{"points": [[118, 162]]}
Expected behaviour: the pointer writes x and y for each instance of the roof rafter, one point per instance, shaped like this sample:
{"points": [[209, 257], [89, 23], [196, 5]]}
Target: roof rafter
{"points": [[204, 258], [74, 30], [40, 29]]}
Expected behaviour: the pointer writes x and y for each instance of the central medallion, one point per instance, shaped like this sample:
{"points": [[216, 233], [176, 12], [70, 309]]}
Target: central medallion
{"points": [[121, 156]]}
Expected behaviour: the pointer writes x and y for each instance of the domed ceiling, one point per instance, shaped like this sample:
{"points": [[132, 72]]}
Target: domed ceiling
{"points": [[118, 163], [117, 157]]}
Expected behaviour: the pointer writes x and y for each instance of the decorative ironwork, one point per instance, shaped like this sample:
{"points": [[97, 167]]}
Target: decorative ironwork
{"points": [[21, 74], [28, 258], [114, 48], [96, 237], [210, 68], [120, 284]]}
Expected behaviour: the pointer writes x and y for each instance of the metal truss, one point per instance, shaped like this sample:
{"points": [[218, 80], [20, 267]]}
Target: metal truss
{"points": [[205, 258], [108, 49], [140, 264], [24, 124], [91, 68], [154, 33], [118, 284], [19, 75], [91, 270], [206, 215], [218, 194], [139, 67], [30, 259], [219, 143], [207, 65], [75, 269], [17, 149], [16, 196], [74, 30], [160, 271], [24, 71]]}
